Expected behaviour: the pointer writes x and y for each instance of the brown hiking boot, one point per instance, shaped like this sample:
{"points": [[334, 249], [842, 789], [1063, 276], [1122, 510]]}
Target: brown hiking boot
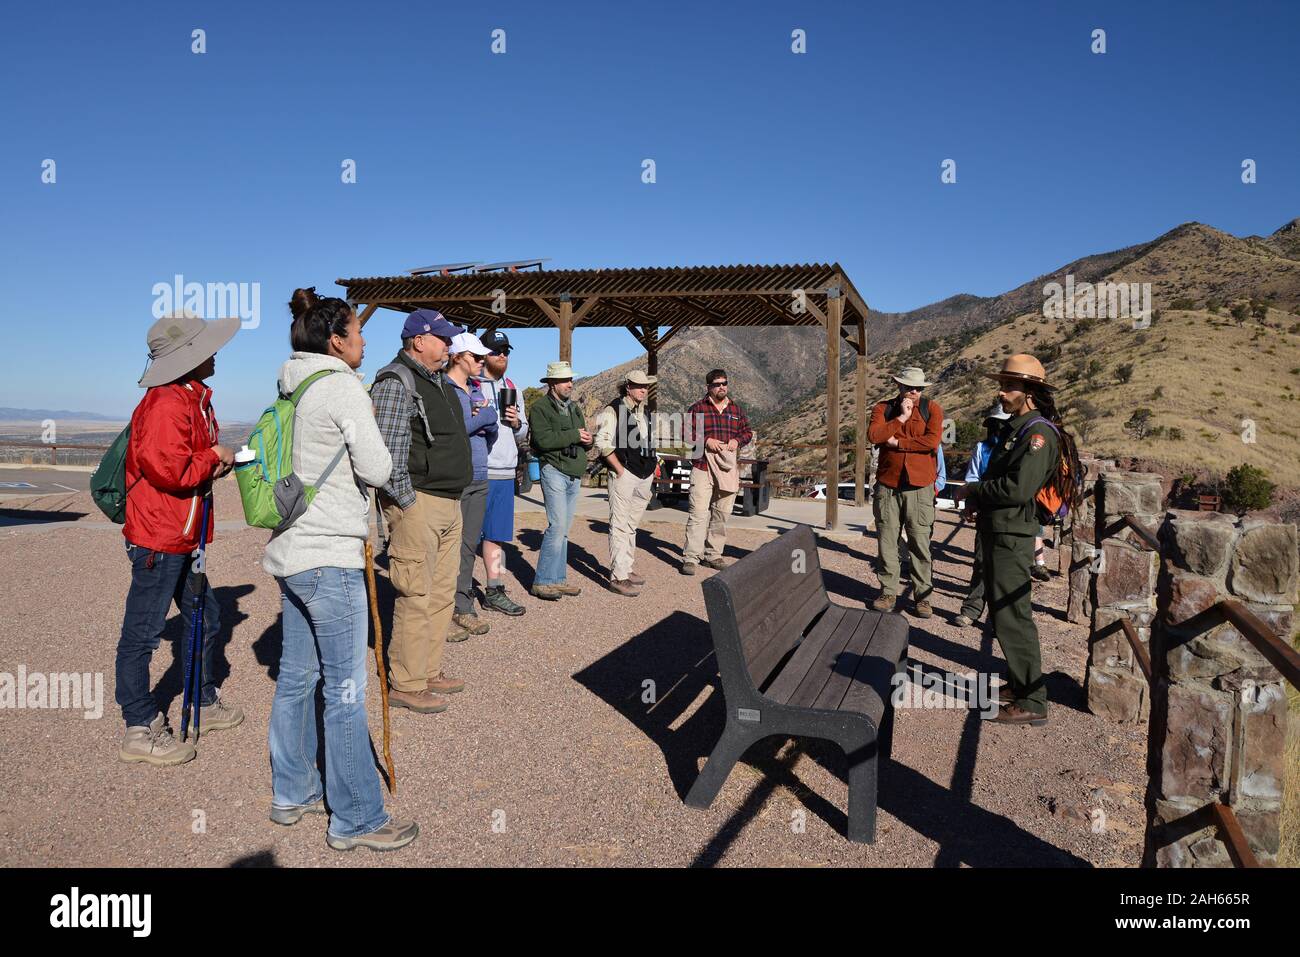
{"points": [[688, 568], [547, 592], [390, 837], [1005, 695], [635, 579], [884, 603], [714, 563], [566, 589], [963, 620], [441, 684], [455, 632], [217, 716], [421, 702], [471, 623], [1014, 714], [154, 744], [624, 588], [922, 609]]}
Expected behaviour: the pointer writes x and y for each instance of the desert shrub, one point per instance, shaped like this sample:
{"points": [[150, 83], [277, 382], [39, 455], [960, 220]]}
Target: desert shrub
{"points": [[1240, 312], [1139, 423], [1159, 393], [1213, 306], [1183, 302], [1246, 488], [1175, 434], [1124, 372]]}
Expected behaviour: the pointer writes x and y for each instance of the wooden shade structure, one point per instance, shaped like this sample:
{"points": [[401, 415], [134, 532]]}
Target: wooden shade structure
{"points": [[646, 301]]}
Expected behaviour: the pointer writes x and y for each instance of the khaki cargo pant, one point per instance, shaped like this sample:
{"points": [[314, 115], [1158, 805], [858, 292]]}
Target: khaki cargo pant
{"points": [[423, 561], [706, 526], [895, 510], [628, 498]]}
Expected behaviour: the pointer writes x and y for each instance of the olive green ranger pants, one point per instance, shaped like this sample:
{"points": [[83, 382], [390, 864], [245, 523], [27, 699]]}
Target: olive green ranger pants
{"points": [[1007, 584], [895, 510]]}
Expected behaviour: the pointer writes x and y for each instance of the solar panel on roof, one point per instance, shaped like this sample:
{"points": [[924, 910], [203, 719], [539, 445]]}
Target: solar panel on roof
{"points": [[444, 268], [512, 265]]}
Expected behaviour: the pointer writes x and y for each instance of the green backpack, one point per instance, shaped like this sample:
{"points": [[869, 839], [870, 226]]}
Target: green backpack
{"points": [[273, 496], [108, 484]]}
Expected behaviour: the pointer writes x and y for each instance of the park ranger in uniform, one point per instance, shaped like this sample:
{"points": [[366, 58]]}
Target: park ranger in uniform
{"points": [[1022, 462]]}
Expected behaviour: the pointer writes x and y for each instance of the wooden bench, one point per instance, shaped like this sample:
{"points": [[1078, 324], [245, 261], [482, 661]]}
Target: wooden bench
{"points": [[794, 663]]}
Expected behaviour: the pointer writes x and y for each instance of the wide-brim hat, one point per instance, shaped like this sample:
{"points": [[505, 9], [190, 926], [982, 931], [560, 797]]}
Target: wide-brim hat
{"points": [[1025, 368], [181, 343], [913, 378], [637, 377], [558, 372]]}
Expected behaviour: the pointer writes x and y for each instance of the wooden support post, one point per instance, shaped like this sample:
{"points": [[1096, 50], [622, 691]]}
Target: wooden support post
{"points": [[566, 328], [834, 315], [364, 317], [652, 364], [860, 453]]}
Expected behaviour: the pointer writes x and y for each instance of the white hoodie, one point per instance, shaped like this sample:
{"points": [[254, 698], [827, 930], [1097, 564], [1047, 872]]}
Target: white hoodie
{"points": [[334, 409]]}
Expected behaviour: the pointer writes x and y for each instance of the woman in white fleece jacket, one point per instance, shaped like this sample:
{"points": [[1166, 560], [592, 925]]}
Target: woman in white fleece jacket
{"points": [[318, 562]]}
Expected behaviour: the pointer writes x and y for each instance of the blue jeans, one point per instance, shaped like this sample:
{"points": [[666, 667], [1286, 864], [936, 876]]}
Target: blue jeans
{"points": [[157, 580], [560, 493], [325, 624]]}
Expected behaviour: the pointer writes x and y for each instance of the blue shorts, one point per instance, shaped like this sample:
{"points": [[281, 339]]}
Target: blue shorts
{"points": [[499, 518]]}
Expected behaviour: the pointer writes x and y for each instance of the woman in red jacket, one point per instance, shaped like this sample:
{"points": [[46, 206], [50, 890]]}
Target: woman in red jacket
{"points": [[173, 456]]}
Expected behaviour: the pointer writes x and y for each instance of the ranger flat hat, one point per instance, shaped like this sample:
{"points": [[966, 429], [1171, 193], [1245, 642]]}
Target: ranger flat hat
{"points": [[1024, 367], [912, 377], [557, 372], [637, 377], [181, 343]]}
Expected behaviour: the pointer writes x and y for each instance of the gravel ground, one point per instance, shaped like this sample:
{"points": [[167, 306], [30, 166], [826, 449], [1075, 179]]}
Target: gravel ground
{"points": [[550, 757]]}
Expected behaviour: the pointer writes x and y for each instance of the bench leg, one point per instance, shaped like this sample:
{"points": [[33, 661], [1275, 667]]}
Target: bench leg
{"points": [[862, 799], [724, 757]]}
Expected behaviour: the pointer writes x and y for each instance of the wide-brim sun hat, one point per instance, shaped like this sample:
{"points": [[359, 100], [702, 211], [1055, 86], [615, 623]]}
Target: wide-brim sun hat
{"points": [[558, 372], [181, 343], [1024, 368], [913, 378], [637, 377]]}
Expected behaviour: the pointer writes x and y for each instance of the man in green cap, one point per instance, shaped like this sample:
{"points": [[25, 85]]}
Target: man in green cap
{"points": [[1026, 457]]}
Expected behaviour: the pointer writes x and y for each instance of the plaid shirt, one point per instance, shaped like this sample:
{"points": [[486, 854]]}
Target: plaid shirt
{"points": [[394, 409], [724, 426]]}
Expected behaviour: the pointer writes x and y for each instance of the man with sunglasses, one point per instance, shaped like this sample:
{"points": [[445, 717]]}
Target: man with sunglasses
{"points": [[908, 429], [713, 424], [502, 463]]}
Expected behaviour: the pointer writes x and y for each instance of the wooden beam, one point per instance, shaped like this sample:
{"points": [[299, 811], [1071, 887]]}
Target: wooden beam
{"points": [[566, 330], [835, 310], [816, 312], [860, 401], [663, 340], [638, 337], [651, 341], [364, 317], [585, 308], [545, 306]]}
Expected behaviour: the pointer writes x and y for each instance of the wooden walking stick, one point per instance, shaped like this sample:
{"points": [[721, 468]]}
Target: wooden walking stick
{"points": [[379, 663]]}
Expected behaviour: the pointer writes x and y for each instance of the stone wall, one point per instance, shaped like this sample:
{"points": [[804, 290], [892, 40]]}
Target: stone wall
{"points": [[1219, 709], [1082, 542], [1123, 572]]}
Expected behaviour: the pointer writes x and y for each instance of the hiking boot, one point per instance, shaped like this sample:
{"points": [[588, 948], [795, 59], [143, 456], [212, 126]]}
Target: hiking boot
{"points": [[494, 599], [1005, 695], [547, 592], [884, 603], [922, 609], [715, 563], [421, 702], [624, 588], [635, 579], [455, 632], [471, 623], [441, 684], [1040, 572], [154, 744], [217, 716], [1014, 714], [963, 620], [567, 589], [292, 815], [688, 568], [390, 837]]}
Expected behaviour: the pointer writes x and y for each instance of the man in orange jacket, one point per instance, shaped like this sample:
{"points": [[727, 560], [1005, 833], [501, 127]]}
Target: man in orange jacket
{"points": [[172, 457], [908, 429]]}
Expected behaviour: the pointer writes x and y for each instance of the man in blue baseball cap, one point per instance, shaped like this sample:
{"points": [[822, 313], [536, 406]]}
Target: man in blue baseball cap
{"points": [[423, 425]]}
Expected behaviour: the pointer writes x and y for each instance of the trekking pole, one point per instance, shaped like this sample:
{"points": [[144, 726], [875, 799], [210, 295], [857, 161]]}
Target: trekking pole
{"points": [[198, 585], [379, 663]]}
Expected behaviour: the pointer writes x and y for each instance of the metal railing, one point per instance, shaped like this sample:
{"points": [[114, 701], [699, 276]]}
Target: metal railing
{"points": [[53, 447]]}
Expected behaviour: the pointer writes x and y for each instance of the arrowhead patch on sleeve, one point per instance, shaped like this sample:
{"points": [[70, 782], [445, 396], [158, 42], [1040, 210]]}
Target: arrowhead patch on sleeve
{"points": [[1036, 442]]}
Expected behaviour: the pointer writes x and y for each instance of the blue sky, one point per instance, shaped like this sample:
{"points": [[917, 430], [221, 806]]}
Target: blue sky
{"points": [[225, 166]]}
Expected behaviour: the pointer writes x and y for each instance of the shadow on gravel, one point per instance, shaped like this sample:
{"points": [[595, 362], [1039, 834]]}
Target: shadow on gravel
{"points": [[580, 560], [10, 517], [177, 633], [264, 858]]}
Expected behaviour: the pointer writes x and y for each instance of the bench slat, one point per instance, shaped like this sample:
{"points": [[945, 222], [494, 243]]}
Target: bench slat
{"points": [[778, 634], [820, 671], [784, 684], [846, 665], [873, 681]]}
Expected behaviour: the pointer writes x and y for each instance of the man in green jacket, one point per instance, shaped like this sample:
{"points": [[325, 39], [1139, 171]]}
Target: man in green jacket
{"points": [[561, 439], [1025, 458]]}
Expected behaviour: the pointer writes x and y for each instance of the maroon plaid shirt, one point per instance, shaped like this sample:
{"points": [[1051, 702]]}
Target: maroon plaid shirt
{"points": [[724, 426]]}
